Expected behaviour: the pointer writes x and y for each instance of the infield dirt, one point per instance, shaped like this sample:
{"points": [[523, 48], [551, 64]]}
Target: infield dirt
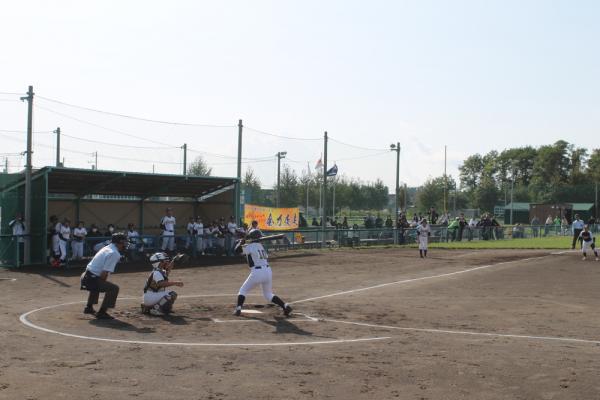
{"points": [[322, 351]]}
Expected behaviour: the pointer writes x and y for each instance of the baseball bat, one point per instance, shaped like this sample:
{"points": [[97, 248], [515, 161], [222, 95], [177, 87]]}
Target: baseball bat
{"points": [[270, 237]]}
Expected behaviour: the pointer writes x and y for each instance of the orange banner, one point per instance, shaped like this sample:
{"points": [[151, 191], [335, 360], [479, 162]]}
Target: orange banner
{"points": [[272, 218]]}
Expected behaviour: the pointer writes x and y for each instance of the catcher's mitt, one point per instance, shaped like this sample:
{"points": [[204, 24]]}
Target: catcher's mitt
{"points": [[180, 259]]}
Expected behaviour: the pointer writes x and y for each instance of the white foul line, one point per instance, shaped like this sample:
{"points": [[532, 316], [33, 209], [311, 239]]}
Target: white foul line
{"points": [[412, 280], [489, 334], [8, 279]]}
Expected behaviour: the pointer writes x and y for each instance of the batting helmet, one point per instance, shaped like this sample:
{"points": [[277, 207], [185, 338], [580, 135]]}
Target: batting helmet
{"points": [[254, 234]]}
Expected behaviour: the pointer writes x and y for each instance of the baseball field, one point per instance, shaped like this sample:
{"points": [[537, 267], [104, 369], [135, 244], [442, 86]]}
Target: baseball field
{"points": [[367, 324]]}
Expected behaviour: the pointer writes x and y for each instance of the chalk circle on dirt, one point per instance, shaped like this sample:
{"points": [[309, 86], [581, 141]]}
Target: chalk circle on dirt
{"points": [[207, 320]]}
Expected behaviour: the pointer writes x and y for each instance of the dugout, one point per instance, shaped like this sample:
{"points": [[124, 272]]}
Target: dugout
{"points": [[542, 210], [109, 197], [520, 213]]}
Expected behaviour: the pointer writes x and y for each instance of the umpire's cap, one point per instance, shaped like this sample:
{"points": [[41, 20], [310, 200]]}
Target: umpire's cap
{"points": [[119, 237]]}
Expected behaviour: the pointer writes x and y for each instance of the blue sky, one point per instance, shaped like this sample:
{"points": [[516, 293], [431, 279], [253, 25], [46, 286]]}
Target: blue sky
{"points": [[473, 75]]}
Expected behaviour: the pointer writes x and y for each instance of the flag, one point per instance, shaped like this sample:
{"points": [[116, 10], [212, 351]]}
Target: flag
{"points": [[319, 164], [333, 170]]}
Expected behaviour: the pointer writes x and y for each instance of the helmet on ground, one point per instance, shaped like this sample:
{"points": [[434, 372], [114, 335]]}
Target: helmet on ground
{"points": [[157, 258], [254, 234]]}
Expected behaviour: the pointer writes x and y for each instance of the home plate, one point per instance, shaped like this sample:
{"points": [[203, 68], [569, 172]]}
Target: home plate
{"points": [[251, 312]]}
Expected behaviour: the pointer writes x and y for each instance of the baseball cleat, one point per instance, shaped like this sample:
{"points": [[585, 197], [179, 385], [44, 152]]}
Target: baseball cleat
{"points": [[104, 315], [156, 313], [89, 310], [287, 311], [583, 258], [237, 312], [597, 259]]}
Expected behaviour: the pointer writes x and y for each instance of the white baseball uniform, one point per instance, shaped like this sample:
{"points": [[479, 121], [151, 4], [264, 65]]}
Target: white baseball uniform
{"points": [[168, 233], [587, 239], [56, 239], [199, 231], [260, 272], [79, 235], [65, 236], [153, 293], [423, 236]]}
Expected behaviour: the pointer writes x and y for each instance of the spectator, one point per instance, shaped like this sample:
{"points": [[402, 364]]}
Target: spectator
{"points": [[345, 223], [462, 224], [79, 235], [433, 216], [110, 229], [547, 225], [389, 223], [378, 222], [231, 235], [315, 222], [452, 230], [189, 229], [496, 229], [198, 235], [302, 223], [167, 225], [136, 245], [18, 230], [94, 231], [557, 224], [535, 226]]}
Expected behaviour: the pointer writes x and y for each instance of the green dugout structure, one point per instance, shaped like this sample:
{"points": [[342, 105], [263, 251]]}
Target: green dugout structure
{"points": [[108, 197]]}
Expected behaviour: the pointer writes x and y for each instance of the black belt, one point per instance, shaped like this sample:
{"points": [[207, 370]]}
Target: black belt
{"points": [[260, 267]]}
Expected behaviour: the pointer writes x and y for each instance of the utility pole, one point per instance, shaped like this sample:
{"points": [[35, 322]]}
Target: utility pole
{"points": [[28, 171], [238, 186], [396, 148], [307, 187], [324, 191], [445, 182], [595, 203], [57, 131], [95, 154], [184, 159], [279, 155], [6, 165], [512, 188]]}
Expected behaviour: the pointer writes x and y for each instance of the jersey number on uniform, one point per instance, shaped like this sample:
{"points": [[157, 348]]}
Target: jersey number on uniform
{"points": [[262, 254]]}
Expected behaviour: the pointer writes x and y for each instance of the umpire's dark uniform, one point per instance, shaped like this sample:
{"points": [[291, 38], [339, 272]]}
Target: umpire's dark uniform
{"points": [[577, 228]]}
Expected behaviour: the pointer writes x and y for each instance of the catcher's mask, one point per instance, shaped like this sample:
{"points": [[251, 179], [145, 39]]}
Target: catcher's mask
{"points": [[254, 234], [157, 258]]}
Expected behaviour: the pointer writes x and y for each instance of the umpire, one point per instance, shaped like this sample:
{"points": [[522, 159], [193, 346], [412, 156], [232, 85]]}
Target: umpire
{"points": [[577, 228], [95, 277]]}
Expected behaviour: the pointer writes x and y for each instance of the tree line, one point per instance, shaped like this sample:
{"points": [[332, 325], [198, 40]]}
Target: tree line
{"points": [[556, 173]]}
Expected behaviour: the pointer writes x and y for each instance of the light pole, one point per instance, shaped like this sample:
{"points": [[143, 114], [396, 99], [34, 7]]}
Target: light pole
{"points": [[280, 155], [396, 148], [512, 188]]}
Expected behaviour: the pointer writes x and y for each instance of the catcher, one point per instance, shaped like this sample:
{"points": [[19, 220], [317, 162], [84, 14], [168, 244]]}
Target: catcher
{"points": [[260, 272], [158, 299]]}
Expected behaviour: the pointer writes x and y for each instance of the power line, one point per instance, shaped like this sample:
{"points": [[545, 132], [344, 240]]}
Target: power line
{"points": [[355, 146], [13, 131], [280, 136], [103, 127], [115, 144], [133, 117], [13, 93]]}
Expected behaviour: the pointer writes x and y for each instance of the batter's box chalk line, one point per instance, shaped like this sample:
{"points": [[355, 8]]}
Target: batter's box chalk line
{"points": [[25, 320]]}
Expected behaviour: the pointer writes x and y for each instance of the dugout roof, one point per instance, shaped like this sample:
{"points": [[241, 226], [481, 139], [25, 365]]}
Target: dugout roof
{"points": [[82, 182]]}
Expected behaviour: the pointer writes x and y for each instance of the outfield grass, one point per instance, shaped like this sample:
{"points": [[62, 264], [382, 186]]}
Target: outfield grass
{"points": [[553, 242]]}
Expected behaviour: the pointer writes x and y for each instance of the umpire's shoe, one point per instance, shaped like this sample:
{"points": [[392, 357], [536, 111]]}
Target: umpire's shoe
{"points": [[104, 315], [287, 311], [89, 310]]}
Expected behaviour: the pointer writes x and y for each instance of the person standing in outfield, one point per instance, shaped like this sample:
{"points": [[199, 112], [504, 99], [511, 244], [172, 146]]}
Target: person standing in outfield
{"points": [[423, 233], [260, 272], [577, 229], [587, 242], [95, 277], [158, 300], [79, 235], [167, 224]]}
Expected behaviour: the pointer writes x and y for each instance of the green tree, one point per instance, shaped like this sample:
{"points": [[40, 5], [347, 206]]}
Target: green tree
{"points": [[199, 167], [251, 187]]}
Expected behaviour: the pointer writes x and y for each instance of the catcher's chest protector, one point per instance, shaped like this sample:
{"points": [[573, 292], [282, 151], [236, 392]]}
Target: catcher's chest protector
{"points": [[151, 284]]}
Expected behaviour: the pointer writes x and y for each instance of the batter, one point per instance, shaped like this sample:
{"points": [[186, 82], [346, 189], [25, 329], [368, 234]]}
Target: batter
{"points": [[260, 272]]}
